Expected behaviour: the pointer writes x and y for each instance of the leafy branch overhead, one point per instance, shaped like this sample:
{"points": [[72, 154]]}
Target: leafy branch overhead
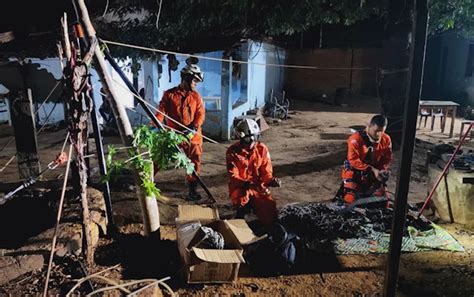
{"points": [[451, 15], [206, 25], [150, 147], [187, 25], [193, 25]]}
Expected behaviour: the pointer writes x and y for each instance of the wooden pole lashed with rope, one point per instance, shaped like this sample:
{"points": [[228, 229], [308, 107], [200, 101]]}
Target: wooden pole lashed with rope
{"points": [[78, 111]]}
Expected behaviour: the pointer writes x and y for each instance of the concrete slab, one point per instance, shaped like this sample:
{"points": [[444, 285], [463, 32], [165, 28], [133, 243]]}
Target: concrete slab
{"points": [[454, 197]]}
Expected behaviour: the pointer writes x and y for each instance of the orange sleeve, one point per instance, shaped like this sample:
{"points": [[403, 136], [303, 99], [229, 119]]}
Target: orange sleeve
{"points": [[200, 113], [266, 170], [162, 107], [233, 170], [354, 152], [387, 155]]}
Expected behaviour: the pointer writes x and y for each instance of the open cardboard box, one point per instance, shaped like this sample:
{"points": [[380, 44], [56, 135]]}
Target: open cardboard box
{"points": [[211, 265]]}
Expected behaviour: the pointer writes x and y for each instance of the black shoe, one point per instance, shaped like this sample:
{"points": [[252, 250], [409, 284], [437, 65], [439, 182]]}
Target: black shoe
{"points": [[193, 194]]}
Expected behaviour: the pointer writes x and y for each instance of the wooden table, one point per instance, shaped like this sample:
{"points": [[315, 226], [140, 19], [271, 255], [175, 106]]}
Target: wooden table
{"points": [[445, 106]]}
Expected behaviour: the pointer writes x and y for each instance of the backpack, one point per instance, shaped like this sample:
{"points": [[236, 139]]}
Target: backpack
{"points": [[275, 255]]}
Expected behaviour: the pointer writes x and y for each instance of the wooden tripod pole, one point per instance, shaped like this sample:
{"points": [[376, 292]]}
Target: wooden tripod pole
{"points": [[58, 219], [150, 214]]}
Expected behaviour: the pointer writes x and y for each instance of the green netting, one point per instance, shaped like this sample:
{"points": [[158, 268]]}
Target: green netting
{"points": [[416, 241]]}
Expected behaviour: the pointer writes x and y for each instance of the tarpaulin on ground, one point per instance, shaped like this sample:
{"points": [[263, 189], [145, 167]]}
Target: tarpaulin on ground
{"points": [[417, 241], [361, 231]]}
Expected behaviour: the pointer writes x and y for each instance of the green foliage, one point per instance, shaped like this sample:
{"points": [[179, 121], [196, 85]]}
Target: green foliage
{"points": [[151, 147], [194, 25], [451, 14], [162, 147], [114, 168]]}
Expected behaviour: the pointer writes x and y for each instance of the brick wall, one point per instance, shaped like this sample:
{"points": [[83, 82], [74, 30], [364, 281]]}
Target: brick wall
{"points": [[311, 83]]}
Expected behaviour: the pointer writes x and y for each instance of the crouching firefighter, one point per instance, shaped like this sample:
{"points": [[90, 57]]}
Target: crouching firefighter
{"points": [[366, 169], [251, 174], [185, 107]]}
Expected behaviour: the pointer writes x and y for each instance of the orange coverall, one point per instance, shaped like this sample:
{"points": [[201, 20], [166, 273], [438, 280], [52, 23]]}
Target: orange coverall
{"points": [[356, 174], [187, 108], [250, 173]]}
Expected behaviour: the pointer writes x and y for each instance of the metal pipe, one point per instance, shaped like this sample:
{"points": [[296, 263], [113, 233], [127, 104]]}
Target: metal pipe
{"points": [[408, 142], [445, 170]]}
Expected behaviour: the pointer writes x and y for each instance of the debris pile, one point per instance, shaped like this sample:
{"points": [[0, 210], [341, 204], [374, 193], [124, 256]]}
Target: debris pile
{"points": [[314, 221], [326, 222]]}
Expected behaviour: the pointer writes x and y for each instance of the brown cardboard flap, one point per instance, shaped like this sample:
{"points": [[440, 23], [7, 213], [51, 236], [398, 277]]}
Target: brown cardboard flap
{"points": [[200, 213], [242, 231], [219, 256]]}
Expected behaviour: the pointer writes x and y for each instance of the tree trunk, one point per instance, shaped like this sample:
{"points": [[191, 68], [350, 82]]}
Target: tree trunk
{"points": [[394, 75], [150, 214]]}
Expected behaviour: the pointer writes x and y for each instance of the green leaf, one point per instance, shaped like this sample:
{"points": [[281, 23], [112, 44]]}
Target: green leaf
{"points": [[449, 24], [162, 148]]}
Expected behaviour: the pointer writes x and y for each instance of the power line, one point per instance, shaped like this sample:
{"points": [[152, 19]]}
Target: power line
{"points": [[234, 61]]}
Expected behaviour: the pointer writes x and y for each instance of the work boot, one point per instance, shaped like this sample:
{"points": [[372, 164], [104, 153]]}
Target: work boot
{"points": [[349, 197], [193, 194]]}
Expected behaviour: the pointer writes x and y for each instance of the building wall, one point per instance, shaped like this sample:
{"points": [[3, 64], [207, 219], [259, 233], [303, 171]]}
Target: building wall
{"points": [[53, 66], [261, 79], [312, 83], [445, 69], [247, 86]]}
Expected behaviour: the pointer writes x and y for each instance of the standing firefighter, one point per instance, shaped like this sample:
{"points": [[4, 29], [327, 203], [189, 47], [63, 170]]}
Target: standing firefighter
{"points": [[251, 174], [369, 154], [184, 105]]}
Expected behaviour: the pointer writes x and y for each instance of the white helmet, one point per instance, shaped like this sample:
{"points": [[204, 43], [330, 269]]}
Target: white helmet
{"points": [[194, 71], [247, 130]]}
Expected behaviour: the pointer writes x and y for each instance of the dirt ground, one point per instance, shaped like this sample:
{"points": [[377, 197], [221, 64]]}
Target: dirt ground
{"points": [[307, 151]]}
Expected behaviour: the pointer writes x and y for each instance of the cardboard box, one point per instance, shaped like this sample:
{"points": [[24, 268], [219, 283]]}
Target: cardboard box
{"points": [[211, 265], [196, 213]]}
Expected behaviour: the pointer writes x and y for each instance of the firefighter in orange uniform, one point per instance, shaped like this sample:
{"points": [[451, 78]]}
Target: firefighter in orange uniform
{"points": [[251, 174], [184, 105], [369, 155]]}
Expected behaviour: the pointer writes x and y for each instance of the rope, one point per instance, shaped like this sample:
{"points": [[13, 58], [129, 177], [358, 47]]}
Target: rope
{"points": [[8, 163], [106, 8], [8, 142], [47, 97], [84, 279], [158, 15], [166, 126], [121, 286], [165, 115], [65, 141], [46, 121], [158, 282], [58, 218], [105, 270], [95, 275], [36, 112], [233, 61]]}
